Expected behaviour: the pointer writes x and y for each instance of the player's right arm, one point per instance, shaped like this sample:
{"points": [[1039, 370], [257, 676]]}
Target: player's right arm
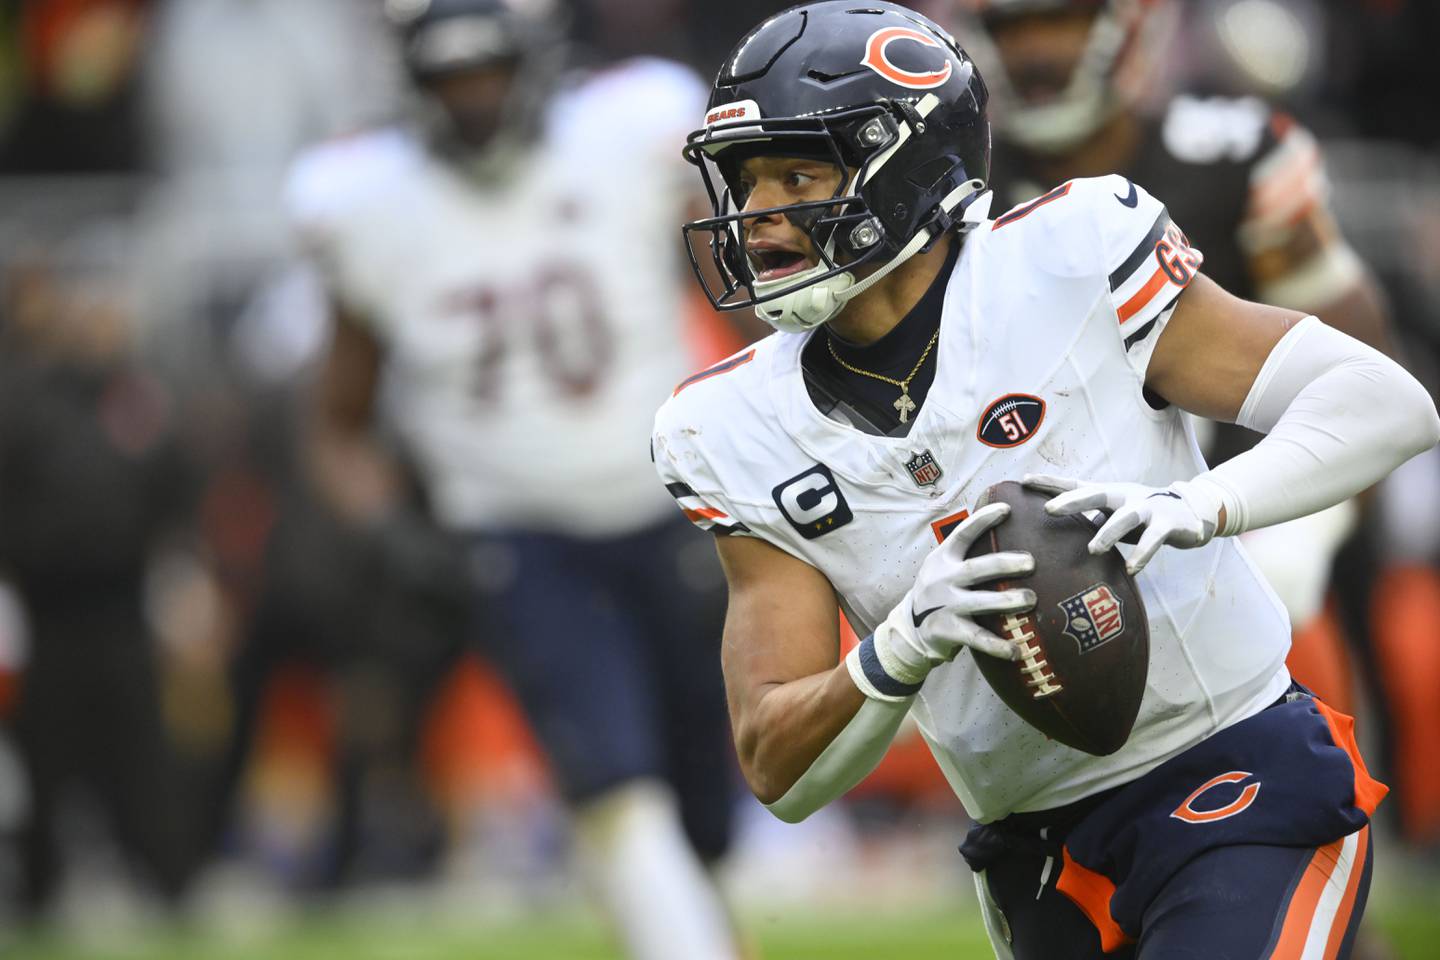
{"points": [[789, 695], [346, 465], [331, 195], [808, 727]]}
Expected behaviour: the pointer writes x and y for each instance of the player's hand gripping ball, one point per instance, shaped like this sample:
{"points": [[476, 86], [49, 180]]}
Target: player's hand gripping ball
{"points": [[1181, 515], [1085, 646]]}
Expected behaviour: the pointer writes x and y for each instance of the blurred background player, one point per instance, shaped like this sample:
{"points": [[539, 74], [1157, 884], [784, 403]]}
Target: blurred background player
{"points": [[94, 481], [507, 283], [1075, 96]]}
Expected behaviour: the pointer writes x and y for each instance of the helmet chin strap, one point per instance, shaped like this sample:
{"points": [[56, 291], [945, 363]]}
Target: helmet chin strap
{"points": [[809, 306]]}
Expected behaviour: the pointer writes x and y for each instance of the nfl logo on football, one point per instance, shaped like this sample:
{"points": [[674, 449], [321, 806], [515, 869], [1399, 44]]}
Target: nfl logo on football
{"points": [[923, 469], [1093, 617]]}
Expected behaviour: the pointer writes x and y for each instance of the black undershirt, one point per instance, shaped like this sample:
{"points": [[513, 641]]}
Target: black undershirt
{"points": [[864, 402]]}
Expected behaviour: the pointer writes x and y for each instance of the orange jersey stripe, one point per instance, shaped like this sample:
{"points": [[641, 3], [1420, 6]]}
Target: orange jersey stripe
{"points": [[1347, 903], [944, 525], [1301, 911], [1143, 296], [1092, 892], [1032, 206], [719, 368], [1368, 791], [705, 513]]}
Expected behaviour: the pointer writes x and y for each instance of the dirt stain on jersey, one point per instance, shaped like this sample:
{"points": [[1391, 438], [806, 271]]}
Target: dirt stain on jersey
{"points": [[1052, 449]]}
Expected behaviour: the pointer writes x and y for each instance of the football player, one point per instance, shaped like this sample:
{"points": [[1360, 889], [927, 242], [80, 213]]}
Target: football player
{"points": [[1247, 182], [846, 151], [507, 280]]}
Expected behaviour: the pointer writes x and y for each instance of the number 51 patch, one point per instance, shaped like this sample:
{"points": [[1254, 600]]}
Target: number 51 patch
{"points": [[1011, 420]]}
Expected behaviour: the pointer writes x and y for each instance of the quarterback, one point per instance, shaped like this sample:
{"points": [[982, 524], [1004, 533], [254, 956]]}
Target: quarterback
{"points": [[491, 320], [924, 351]]}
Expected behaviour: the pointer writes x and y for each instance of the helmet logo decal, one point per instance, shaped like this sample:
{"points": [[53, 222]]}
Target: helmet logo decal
{"points": [[878, 60], [736, 110]]}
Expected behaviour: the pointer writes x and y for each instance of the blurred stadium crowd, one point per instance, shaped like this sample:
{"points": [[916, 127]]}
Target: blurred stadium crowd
{"points": [[205, 669]]}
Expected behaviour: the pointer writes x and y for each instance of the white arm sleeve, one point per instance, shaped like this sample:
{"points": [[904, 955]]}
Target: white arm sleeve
{"points": [[849, 758], [1340, 416]]}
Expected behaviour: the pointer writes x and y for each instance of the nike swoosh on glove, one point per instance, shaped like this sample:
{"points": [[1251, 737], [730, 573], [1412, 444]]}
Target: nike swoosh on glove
{"points": [[1184, 514], [935, 620]]}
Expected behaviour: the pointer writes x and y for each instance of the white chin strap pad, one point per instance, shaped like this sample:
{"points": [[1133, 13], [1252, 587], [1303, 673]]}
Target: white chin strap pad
{"points": [[809, 306]]}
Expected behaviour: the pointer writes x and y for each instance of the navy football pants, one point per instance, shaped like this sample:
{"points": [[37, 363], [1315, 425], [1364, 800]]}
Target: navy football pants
{"points": [[1231, 903], [613, 649], [1254, 843]]}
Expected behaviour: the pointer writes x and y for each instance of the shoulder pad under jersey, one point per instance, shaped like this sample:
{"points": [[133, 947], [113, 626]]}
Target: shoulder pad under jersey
{"points": [[327, 181]]}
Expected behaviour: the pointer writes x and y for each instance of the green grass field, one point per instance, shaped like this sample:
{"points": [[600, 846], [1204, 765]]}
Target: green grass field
{"points": [[1413, 929]]}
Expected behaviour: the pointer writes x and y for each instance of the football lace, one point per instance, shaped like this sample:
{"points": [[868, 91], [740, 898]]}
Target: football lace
{"points": [[1041, 681]]}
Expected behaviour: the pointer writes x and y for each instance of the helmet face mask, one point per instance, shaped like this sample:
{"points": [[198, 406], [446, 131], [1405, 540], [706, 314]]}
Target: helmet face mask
{"points": [[880, 93], [840, 228]]}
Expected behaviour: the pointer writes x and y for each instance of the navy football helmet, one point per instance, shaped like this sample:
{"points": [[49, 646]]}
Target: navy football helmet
{"points": [[887, 96], [519, 41], [443, 36]]}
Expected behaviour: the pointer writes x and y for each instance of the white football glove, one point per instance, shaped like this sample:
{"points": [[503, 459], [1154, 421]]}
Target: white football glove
{"points": [[935, 619], [1184, 514]]}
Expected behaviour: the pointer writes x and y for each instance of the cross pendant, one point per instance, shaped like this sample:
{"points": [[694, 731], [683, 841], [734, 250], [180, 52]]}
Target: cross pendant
{"points": [[905, 405]]}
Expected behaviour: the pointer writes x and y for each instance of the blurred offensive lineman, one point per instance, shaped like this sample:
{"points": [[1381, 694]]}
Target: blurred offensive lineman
{"points": [[512, 279], [1248, 184], [925, 352]]}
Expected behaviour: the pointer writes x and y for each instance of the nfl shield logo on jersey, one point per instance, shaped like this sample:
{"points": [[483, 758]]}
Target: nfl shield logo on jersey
{"points": [[1093, 617], [923, 469]]}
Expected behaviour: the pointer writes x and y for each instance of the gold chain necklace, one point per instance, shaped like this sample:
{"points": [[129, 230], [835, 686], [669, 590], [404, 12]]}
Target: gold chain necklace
{"points": [[905, 405]]}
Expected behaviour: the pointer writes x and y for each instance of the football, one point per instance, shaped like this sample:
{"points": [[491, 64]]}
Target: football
{"points": [[1086, 643]]}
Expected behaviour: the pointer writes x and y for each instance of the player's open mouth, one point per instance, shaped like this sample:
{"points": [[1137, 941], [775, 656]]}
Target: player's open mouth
{"points": [[773, 263]]}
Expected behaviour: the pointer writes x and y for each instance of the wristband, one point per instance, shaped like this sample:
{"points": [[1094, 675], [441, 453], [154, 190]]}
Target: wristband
{"points": [[870, 677]]}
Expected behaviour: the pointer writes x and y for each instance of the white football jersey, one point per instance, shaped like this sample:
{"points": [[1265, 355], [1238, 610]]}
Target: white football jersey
{"points": [[530, 325], [1049, 321]]}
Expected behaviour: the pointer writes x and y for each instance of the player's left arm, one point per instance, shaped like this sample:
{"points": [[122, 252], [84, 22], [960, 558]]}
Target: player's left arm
{"points": [[1339, 416]]}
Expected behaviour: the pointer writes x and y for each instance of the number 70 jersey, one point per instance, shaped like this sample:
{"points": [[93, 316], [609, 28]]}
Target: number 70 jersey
{"points": [[1050, 318], [531, 319]]}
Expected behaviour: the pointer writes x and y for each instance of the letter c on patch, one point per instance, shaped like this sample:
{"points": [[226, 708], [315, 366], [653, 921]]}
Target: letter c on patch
{"points": [[1187, 812]]}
